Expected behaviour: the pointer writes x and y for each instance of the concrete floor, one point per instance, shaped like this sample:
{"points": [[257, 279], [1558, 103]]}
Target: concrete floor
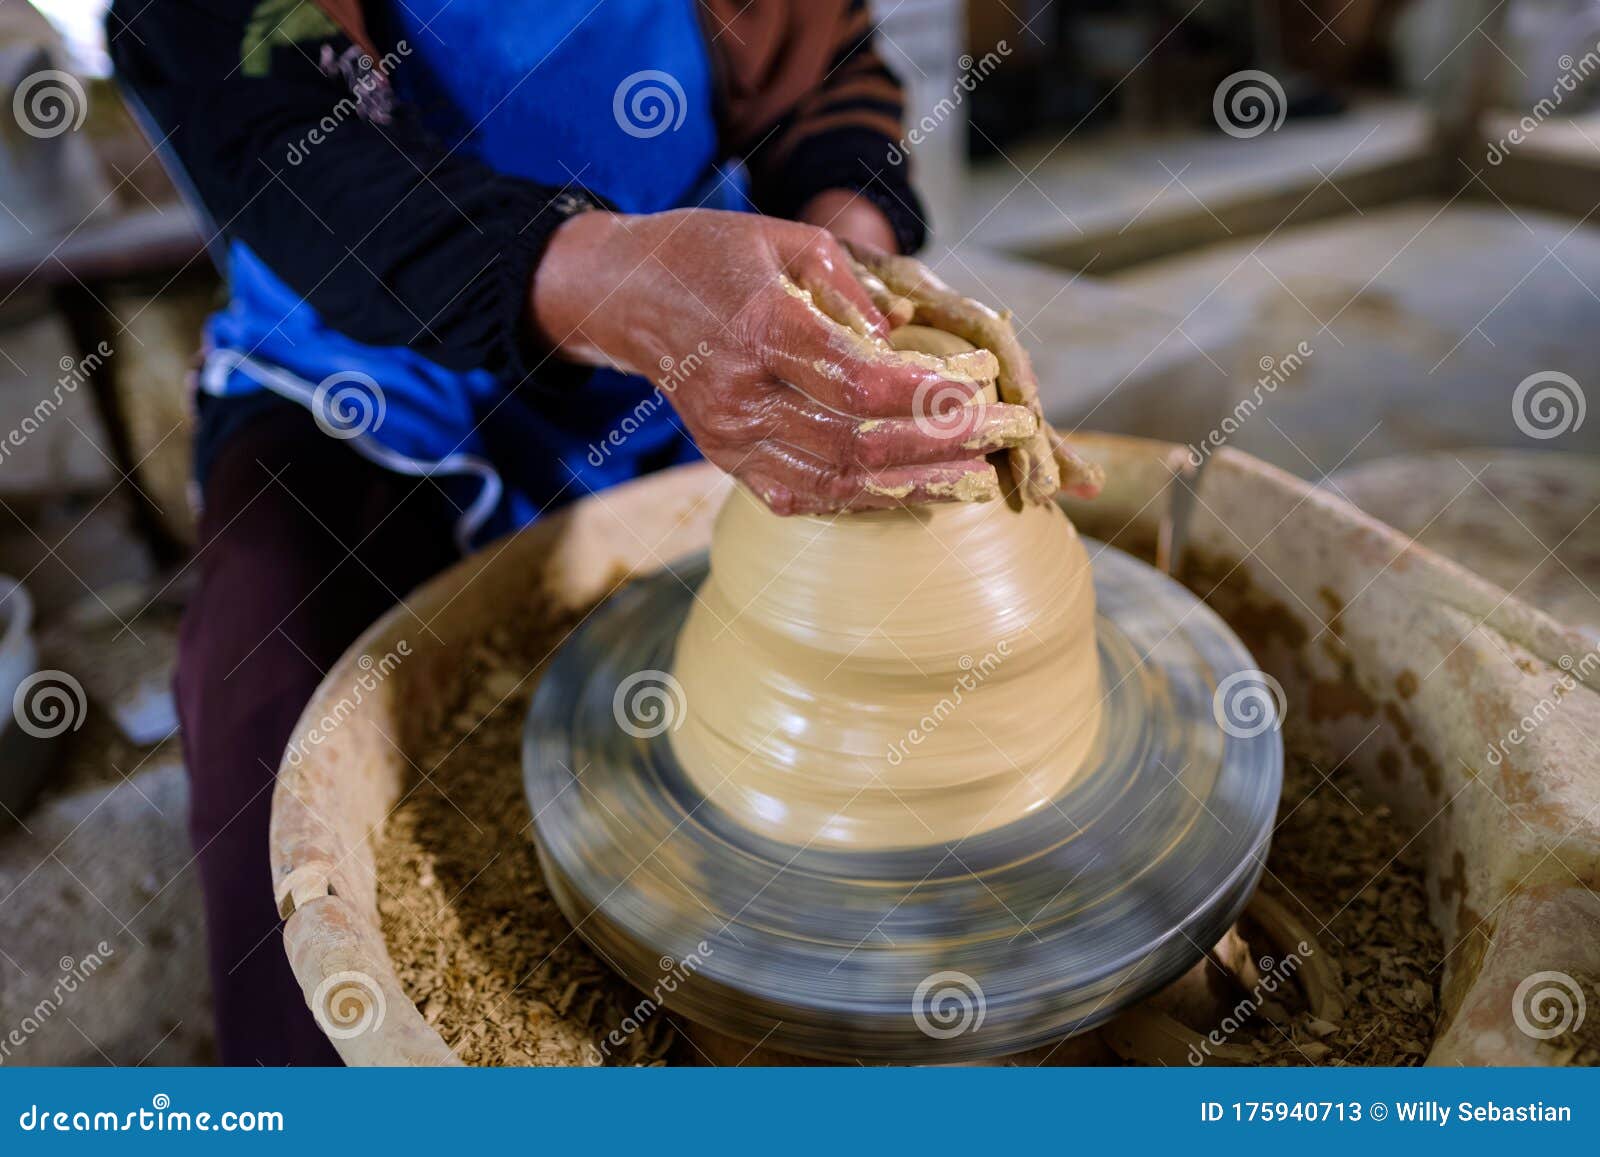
{"points": [[1422, 318], [1098, 198]]}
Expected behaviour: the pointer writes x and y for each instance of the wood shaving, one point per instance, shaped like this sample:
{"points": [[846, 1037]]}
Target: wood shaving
{"points": [[480, 946], [1331, 865], [476, 938]]}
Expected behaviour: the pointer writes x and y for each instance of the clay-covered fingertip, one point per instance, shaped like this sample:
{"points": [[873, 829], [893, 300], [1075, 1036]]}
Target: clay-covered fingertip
{"points": [[974, 486]]}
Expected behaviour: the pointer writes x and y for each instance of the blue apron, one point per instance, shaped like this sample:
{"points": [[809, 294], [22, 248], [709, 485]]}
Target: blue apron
{"points": [[561, 92]]}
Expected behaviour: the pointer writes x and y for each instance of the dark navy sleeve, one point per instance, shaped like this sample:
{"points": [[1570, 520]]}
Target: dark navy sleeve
{"points": [[290, 137]]}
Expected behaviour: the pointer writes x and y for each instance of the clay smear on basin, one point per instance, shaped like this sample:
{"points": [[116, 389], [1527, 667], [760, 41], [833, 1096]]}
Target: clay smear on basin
{"points": [[889, 678]]}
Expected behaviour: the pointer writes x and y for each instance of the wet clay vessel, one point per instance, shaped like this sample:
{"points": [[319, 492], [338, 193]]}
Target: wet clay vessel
{"points": [[929, 783]]}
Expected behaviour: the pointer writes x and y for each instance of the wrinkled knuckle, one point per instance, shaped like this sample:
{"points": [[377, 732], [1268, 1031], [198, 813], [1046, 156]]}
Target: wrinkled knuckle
{"points": [[816, 253], [858, 396], [780, 319], [840, 488], [755, 324], [729, 424]]}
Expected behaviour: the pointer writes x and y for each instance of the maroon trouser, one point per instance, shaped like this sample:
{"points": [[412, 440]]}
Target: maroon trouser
{"points": [[303, 544]]}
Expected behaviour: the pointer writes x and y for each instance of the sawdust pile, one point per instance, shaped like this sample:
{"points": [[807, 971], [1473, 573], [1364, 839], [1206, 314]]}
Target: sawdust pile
{"points": [[1340, 862], [476, 938], [482, 949]]}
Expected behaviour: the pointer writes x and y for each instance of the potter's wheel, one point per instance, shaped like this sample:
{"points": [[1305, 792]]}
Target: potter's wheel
{"points": [[989, 945]]}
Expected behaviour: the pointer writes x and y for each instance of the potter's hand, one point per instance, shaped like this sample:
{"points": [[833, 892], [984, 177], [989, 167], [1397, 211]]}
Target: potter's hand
{"points": [[906, 290], [772, 352]]}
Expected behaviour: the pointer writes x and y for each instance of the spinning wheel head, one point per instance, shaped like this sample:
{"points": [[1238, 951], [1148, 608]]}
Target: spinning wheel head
{"points": [[980, 945]]}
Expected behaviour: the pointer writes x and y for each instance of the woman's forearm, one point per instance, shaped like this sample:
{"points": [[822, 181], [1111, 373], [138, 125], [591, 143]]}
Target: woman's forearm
{"points": [[570, 300]]}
